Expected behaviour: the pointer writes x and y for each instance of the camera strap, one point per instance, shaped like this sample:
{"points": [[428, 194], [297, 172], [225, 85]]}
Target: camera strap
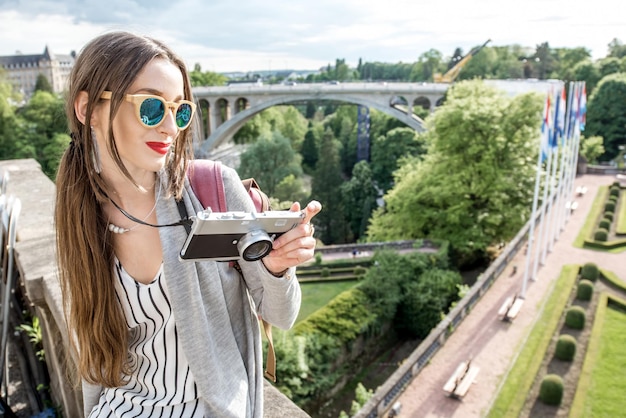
{"points": [[205, 177]]}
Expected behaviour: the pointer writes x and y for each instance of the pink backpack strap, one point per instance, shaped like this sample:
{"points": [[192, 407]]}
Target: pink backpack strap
{"points": [[207, 183]]}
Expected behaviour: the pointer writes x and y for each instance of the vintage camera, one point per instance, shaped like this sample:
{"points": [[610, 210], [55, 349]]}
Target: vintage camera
{"points": [[227, 236]]}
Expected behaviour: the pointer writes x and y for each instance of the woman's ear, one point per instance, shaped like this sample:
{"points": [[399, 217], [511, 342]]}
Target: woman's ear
{"points": [[80, 108]]}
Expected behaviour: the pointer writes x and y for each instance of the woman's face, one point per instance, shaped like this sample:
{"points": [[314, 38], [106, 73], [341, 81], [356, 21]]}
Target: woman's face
{"points": [[144, 148]]}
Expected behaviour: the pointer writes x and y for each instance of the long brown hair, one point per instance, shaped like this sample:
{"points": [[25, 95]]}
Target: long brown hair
{"points": [[96, 325]]}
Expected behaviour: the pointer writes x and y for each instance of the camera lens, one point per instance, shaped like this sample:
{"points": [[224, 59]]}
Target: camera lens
{"points": [[254, 245]]}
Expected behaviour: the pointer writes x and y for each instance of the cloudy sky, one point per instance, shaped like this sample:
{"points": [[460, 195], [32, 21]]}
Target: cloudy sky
{"points": [[246, 35]]}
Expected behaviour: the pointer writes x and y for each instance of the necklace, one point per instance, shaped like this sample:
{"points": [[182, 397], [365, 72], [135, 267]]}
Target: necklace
{"points": [[120, 230]]}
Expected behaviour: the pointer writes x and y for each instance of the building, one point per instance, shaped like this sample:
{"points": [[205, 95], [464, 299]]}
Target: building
{"points": [[22, 71]]}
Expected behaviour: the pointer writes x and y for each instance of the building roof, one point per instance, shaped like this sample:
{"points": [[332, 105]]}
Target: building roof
{"points": [[20, 60]]}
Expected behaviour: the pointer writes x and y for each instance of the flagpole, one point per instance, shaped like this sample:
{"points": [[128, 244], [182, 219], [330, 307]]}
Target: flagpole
{"points": [[545, 132], [556, 228], [531, 230], [544, 205], [549, 211], [575, 139], [566, 159], [541, 243]]}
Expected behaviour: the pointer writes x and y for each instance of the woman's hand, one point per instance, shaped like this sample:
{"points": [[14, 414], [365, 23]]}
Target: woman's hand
{"points": [[295, 246]]}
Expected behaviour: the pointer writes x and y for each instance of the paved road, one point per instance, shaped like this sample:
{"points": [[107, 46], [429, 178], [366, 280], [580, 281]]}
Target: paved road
{"points": [[491, 343]]}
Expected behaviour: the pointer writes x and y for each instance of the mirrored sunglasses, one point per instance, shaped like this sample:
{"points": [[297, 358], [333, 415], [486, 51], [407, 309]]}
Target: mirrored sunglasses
{"points": [[150, 109]]}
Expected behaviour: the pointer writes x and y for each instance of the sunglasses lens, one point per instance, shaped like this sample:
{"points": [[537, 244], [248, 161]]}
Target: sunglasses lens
{"points": [[151, 111], [183, 115]]}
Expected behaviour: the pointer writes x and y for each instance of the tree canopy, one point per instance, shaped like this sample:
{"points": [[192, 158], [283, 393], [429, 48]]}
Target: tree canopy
{"points": [[474, 186], [606, 114]]}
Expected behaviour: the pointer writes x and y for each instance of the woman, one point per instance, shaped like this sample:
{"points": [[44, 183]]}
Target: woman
{"points": [[154, 336]]}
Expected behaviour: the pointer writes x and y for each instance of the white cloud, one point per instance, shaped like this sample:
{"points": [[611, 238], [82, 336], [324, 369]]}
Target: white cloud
{"points": [[223, 35]]}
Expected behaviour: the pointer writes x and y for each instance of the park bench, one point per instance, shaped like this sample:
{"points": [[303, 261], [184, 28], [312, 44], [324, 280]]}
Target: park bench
{"points": [[571, 206], [581, 190], [510, 308], [459, 383]]}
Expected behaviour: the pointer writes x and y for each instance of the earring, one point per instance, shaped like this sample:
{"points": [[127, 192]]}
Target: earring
{"points": [[95, 153]]}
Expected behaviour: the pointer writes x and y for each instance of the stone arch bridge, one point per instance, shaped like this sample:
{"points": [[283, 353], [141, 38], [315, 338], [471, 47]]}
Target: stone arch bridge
{"points": [[226, 109]]}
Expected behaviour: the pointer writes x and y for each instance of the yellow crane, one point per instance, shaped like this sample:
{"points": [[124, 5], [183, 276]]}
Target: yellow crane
{"points": [[453, 72]]}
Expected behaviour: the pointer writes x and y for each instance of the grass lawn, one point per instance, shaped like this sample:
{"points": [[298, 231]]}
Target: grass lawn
{"points": [[621, 219], [317, 295], [592, 218], [602, 388]]}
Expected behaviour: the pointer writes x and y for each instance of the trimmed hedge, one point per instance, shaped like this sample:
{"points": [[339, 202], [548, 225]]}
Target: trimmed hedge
{"points": [[601, 235], [551, 390], [590, 271], [575, 317], [565, 348], [610, 215], [605, 224], [585, 290], [609, 206]]}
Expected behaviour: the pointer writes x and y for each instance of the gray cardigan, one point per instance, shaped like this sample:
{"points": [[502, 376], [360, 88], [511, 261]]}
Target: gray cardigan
{"points": [[216, 312]]}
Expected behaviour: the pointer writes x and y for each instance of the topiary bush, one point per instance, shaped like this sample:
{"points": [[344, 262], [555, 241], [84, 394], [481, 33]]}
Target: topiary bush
{"points": [[575, 317], [565, 348], [604, 224], [609, 207], [325, 272], [609, 215], [359, 271], [590, 271], [601, 235], [614, 191], [585, 290], [551, 390]]}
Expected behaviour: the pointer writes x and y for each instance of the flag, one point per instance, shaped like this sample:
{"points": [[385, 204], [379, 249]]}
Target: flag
{"points": [[573, 110], [582, 108], [559, 119], [545, 131]]}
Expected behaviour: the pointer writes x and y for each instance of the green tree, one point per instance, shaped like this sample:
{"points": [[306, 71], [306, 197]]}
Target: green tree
{"points": [[325, 188], [387, 151], [606, 114], [43, 84], [567, 61], [617, 48], [294, 126], [475, 184], [46, 111], [253, 129], [428, 63], [207, 78], [545, 61], [589, 73], [311, 109], [425, 301], [361, 396], [269, 161], [291, 189], [359, 200], [609, 65], [37, 130], [309, 151], [591, 148]]}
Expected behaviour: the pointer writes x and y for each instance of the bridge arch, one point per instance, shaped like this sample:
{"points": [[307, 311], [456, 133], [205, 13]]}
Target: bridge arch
{"points": [[227, 128]]}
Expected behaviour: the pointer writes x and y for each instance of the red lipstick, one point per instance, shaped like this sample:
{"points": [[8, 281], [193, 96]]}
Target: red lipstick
{"points": [[159, 147]]}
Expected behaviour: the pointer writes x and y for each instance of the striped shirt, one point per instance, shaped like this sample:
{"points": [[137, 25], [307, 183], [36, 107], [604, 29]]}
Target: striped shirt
{"points": [[162, 384]]}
